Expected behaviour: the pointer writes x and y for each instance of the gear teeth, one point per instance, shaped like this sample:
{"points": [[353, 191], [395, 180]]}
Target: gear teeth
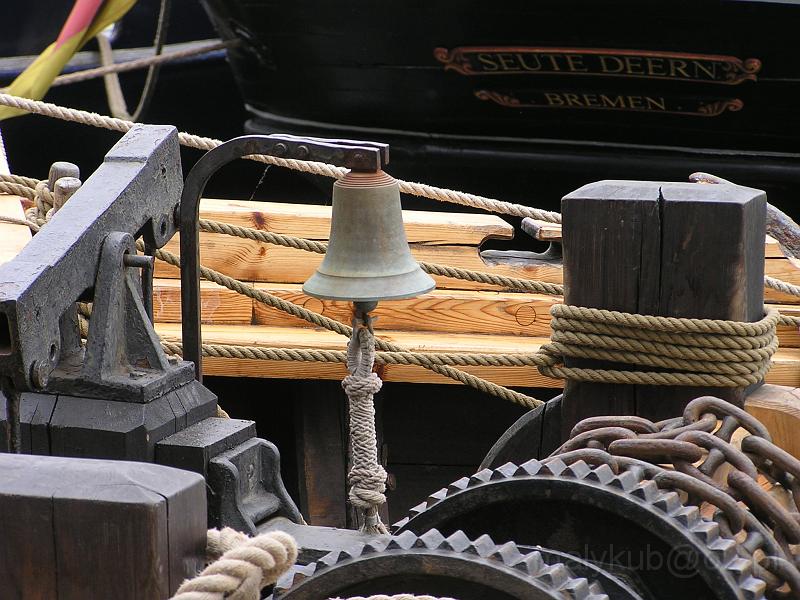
{"points": [[532, 564], [741, 569], [724, 548], [458, 542], [531, 467], [508, 554], [296, 575], [626, 481], [556, 575], [576, 589], [458, 486], [504, 472], [646, 490], [402, 541], [688, 516], [554, 467], [667, 502], [374, 547], [332, 558], [436, 497], [579, 470], [708, 531], [596, 592], [419, 508], [483, 546], [601, 474], [752, 588], [402, 522], [480, 477], [430, 539]]}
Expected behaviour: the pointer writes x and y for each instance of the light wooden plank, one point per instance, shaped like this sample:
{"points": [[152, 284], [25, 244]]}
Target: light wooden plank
{"points": [[313, 221], [785, 370], [12, 237], [218, 304], [255, 261], [444, 311], [778, 408]]}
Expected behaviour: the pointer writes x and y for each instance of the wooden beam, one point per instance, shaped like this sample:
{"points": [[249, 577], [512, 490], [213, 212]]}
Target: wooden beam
{"points": [[218, 304], [662, 249], [443, 311], [785, 369], [313, 222], [778, 408], [12, 237]]}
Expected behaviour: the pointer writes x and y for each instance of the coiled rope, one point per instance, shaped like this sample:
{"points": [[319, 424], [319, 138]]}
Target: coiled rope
{"points": [[317, 168]]}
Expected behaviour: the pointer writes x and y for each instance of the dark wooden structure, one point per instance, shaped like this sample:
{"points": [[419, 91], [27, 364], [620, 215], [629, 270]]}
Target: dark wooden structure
{"points": [[78, 528], [666, 249]]}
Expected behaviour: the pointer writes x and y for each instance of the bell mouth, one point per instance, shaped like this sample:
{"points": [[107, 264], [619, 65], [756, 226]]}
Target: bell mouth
{"points": [[356, 179], [369, 289]]}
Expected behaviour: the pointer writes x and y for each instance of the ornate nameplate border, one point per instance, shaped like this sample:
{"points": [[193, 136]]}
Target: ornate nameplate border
{"points": [[640, 64], [699, 107]]}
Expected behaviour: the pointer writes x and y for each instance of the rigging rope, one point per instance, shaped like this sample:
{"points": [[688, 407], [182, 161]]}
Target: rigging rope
{"points": [[316, 168]]}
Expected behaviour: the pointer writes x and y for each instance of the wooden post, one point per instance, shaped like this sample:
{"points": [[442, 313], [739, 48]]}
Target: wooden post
{"points": [[667, 249]]}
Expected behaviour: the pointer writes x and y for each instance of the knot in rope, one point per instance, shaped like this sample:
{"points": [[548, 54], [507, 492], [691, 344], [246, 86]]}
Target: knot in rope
{"points": [[706, 352], [367, 478], [244, 569]]}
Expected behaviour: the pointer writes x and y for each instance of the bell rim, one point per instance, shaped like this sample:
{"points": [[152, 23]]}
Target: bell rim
{"points": [[420, 275]]}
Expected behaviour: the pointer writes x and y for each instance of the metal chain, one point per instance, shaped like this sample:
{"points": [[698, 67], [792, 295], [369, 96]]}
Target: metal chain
{"points": [[694, 455]]}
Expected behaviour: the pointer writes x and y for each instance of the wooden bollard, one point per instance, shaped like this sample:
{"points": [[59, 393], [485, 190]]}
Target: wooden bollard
{"points": [[665, 249]]}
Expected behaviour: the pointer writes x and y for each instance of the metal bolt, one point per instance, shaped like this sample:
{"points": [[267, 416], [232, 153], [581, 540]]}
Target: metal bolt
{"points": [[40, 374], [141, 261], [280, 149], [302, 152]]}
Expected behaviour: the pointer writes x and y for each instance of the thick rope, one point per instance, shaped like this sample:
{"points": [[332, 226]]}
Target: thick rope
{"points": [[709, 352], [367, 478], [317, 168], [246, 567], [139, 63], [290, 241]]}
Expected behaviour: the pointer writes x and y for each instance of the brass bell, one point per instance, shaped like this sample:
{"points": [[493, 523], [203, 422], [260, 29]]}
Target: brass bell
{"points": [[368, 257]]}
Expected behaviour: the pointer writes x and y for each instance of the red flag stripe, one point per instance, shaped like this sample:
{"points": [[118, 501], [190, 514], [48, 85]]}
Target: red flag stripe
{"points": [[81, 16]]}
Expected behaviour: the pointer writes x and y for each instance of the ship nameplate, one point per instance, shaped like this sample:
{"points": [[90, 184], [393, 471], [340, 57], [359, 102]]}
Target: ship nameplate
{"points": [[639, 64]]}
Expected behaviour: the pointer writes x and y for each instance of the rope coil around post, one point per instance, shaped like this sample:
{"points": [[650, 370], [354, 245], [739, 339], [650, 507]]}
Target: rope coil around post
{"points": [[707, 352], [367, 478]]}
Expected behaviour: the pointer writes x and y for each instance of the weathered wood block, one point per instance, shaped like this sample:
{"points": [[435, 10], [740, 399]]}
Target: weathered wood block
{"points": [[668, 249], [80, 529]]}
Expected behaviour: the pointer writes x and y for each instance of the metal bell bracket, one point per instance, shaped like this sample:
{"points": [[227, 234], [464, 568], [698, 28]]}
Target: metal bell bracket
{"points": [[353, 155]]}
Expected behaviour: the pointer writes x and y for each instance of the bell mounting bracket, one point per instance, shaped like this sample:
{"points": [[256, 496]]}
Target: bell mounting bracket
{"points": [[350, 154]]}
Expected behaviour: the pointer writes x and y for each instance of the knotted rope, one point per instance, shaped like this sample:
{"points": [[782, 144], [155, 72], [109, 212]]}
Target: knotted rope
{"points": [[246, 566], [367, 478]]}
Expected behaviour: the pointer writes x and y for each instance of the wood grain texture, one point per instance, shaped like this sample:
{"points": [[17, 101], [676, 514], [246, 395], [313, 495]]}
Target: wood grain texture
{"points": [[256, 261], [778, 408], [218, 304], [785, 370], [12, 237], [313, 222], [445, 311], [611, 260]]}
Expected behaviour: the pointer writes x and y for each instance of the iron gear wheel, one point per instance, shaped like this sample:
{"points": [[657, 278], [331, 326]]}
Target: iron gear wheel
{"points": [[452, 566], [616, 520]]}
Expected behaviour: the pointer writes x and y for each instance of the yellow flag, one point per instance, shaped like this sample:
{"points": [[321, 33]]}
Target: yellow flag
{"points": [[87, 18]]}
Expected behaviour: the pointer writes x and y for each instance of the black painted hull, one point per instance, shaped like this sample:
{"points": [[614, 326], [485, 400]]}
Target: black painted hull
{"points": [[488, 83]]}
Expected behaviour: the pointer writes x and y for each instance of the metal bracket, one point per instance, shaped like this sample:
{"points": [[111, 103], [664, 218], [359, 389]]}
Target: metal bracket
{"points": [[358, 156]]}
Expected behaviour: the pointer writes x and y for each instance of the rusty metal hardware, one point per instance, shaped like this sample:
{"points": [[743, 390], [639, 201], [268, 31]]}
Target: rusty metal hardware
{"points": [[692, 456]]}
